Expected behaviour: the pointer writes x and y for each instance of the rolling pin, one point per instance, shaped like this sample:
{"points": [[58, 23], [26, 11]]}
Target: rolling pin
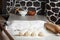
{"points": [[52, 27]]}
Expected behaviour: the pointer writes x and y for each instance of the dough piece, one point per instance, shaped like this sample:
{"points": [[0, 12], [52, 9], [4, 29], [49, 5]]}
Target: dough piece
{"points": [[40, 34], [16, 35], [33, 34], [27, 34], [21, 34]]}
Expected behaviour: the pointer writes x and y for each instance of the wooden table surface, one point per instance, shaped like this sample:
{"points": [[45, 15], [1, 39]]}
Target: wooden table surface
{"points": [[3, 36]]}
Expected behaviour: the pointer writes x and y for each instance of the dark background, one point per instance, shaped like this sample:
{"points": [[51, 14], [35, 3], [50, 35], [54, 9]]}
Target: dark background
{"points": [[3, 11]]}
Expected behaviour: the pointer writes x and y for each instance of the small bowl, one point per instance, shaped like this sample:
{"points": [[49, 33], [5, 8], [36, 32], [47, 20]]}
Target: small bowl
{"points": [[23, 13]]}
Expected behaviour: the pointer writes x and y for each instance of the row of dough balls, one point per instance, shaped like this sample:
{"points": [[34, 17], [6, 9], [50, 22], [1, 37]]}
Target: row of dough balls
{"points": [[29, 34]]}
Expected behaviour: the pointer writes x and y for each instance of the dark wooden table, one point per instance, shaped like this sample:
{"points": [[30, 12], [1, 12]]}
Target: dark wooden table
{"points": [[2, 35]]}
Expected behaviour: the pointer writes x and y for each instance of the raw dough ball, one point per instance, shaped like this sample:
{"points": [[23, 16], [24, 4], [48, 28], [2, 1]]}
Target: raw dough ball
{"points": [[33, 34], [27, 34], [40, 34], [21, 34]]}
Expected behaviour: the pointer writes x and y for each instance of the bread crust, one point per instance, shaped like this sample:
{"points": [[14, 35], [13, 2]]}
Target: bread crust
{"points": [[52, 27]]}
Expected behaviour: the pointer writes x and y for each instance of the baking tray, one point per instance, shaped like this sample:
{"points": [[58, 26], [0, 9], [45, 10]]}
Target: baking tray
{"points": [[34, 25]]}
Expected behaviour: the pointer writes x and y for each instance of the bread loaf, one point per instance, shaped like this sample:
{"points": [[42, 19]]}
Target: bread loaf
{"points": [[52, 27]]}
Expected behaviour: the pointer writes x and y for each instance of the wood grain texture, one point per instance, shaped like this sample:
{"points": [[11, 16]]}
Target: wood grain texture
{"points": [[0, 6], [52, 27]]}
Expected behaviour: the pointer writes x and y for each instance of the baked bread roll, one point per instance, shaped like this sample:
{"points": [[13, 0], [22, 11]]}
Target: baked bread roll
{"points": [[52, 27]]}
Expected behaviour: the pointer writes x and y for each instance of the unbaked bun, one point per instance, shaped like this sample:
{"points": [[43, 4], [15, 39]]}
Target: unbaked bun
{"points": [[21, 34], [33, 34], [27, 34], [40, 34]]}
